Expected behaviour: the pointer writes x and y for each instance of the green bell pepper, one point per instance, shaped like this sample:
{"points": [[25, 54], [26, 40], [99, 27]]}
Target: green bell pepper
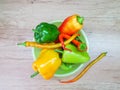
{"points": [[75, 56], [45, 33]]}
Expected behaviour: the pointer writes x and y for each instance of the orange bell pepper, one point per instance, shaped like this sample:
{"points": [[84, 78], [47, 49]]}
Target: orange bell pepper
{"points": [[71, 24]]}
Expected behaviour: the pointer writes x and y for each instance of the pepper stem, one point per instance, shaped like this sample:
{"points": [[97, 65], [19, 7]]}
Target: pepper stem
{"points": [[80, 19], [34, 74], [35, 31], [21, 44]]}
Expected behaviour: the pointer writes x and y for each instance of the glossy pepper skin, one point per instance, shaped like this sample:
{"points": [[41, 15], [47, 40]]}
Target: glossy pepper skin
{"points": [[47, 63], [75, 56], [45, 33], [71, 24]]}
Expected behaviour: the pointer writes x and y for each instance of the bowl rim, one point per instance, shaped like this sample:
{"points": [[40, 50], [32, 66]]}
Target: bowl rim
{"points": [[80, 66]]}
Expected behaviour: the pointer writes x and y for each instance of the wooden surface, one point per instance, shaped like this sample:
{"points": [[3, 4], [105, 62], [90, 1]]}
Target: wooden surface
{"points": [[102, 26]]}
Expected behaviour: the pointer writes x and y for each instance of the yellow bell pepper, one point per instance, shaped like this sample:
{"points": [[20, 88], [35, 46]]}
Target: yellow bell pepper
{"points": [[47, 63]]}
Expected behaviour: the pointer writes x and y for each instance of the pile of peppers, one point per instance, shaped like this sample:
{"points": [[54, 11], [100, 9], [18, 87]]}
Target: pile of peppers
{"points": [[59, 46], [49, 60]]}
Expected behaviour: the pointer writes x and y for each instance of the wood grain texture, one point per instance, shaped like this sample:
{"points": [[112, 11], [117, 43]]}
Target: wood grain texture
{"points": [[102, 26]]}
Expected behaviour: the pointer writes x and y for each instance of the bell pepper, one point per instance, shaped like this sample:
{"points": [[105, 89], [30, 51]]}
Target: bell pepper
{"points": [[45, 33], [75, 56], [71, 24], [47, 63]]}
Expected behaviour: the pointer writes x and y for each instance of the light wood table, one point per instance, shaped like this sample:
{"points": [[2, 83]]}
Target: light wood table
{"points": [[102, 26]]}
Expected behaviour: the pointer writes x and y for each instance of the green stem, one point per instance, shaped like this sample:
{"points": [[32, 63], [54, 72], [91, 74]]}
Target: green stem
{"points": [[21, 44], [80, 19], [34, 74], [35, 31]]}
